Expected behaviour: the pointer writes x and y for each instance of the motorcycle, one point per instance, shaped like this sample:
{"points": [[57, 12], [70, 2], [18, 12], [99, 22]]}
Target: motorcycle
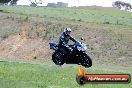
{"points": [[76, 56]]}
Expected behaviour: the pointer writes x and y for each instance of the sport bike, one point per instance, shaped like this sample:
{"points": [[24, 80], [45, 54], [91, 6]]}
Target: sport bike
{"points": [[78, 54]]}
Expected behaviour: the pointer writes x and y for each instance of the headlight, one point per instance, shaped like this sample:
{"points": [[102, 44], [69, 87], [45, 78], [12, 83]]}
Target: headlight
{"points": [[84, 46], [80, 48]]}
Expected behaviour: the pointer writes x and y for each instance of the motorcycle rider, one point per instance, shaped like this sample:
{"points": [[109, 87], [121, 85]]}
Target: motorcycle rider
{"points": [[64, 38]]}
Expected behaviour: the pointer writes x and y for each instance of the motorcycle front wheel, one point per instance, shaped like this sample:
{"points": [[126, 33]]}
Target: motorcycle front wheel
{"points": [[86, 61], [57, 58]]}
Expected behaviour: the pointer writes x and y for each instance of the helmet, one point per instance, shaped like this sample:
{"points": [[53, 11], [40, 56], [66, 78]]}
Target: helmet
{"points": [[67, 30]]}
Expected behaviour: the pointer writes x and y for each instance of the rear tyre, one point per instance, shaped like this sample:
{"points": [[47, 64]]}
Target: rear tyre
{"points": [[57, 58], [86, 61]]}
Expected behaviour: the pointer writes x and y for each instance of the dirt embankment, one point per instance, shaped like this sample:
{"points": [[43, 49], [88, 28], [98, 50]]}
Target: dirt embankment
{"points": [[22, 46]]}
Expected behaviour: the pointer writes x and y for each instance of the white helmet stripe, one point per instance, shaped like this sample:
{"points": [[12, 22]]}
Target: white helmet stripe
{"points": [[67, 30]]}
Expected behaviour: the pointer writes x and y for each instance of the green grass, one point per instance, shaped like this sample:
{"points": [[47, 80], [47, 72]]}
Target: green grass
{"points": [[16, 75], [74, 14]]}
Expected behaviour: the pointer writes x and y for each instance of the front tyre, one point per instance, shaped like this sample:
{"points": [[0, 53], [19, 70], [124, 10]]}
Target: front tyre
{"points": [[86, 61], [57, 58]]}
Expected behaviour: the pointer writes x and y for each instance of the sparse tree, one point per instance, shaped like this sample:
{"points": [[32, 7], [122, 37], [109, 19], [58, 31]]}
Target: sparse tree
{"points": [[4, 1], [35, 3], [120, 5], [128, 6], [12, 2]]}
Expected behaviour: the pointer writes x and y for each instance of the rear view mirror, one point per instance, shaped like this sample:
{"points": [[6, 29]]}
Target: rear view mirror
{"points": [[82, 38]]}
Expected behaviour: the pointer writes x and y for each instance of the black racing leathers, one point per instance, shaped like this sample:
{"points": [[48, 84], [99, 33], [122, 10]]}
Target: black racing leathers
{"points": [[64, 40]]}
